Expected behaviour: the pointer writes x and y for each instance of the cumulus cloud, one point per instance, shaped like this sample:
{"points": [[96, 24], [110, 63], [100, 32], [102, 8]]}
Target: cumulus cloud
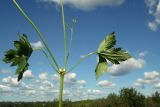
{"points": [[11, 81], [26, 87], [154, 10], [157, 85], [4, 88], [4, 71], [94, 91], [48, 84], [81, 82], [70, 79], [37, 45], [142, 54], [28, 74], [43, 76], [71, 76], [106, 84], [55, 77], [151, 78], [126, 67], [46, 88], [88, 4], [151, 75]]}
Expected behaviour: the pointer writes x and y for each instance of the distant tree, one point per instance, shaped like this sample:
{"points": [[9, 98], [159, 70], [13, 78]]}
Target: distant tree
{"points": [[156, 97], [131, 98], [154, 100], [113, 100]]}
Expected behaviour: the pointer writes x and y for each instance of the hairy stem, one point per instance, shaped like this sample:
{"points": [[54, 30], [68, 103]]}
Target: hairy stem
{"points": [[38, 31]]}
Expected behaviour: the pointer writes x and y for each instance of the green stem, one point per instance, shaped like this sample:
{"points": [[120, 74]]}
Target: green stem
{"points": [[49, 60], [70, 45], [81, 60], [65, 37], [61, 90], [38, 31]]}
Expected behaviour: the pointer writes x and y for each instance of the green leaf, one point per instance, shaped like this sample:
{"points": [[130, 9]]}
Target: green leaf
{"points": [[115, 55], [107, 52], [19, 57], [9, 56], [107, 43], [101, 67], [21, 65]]}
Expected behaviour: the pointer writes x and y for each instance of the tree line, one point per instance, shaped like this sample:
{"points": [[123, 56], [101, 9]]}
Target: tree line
{"points": [[127, 97]]}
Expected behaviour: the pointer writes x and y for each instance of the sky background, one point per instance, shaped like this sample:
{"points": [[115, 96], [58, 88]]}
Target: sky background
{"points": [[136, 23]]}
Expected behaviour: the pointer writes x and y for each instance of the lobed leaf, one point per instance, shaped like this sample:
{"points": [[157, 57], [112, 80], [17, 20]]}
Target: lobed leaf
{"points": [[107, 52], [107, 43], [19, 56], [101, 67]]}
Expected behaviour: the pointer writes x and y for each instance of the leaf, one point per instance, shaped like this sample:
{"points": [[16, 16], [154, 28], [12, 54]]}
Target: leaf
{"points": [[21, 65], [101, 67], [115, 55], [9, 56], [107, 43], [19, 56], [107, 52]]}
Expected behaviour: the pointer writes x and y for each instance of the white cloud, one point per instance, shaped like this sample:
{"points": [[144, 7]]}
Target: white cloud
{"points": [[148, 78], [26, 87], [151, 75], [94, 92], [157, 85], [48, 84], [81, 82], [143, 81], [28, 74], [142, 54], [4, 71], [154, 10], [55, 77], [71, 76], [4, 88], [70, 79], [106, 84], [43, 76], [31, 92], [138, 85], [37, 45], [126, 67], [153, 25], [88, 4], [11, 81]]}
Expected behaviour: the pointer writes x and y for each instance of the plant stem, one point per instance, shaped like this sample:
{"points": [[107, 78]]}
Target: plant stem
{"points": [[64, 31], [81, 60], [70, 45], [38, 31], [49, 60], [61, 89]]}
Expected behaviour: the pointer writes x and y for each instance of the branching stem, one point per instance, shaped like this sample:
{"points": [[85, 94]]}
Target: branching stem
{"points": [[81, 60], [38, 31]]}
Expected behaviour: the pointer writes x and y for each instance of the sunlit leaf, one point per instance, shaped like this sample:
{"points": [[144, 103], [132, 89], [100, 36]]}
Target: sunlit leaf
{"points": [[19, 56], [107, 43], [115, 55], [101, 67], [107, 52]]}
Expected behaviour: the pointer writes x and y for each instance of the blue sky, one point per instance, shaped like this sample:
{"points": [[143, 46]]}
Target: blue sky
{"points": [[136, 23]]}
